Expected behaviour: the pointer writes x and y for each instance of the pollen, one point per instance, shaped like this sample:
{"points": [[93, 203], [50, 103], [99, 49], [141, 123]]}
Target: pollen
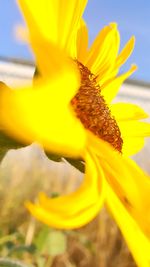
{"points": [[92, 110]]}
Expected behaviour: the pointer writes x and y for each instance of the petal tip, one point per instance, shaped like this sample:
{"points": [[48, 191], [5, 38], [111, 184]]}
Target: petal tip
{"points": [[113, 25]]}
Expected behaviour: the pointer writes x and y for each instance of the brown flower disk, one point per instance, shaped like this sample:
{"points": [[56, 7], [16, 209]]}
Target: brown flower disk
{"points": [[92, 110]]}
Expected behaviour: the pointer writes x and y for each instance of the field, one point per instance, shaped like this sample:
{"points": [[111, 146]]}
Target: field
{"points": [[24, 173]]}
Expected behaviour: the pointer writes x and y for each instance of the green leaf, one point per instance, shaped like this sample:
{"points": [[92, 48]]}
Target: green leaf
{"points": [[41, 238], [53, 157], [7, 143], [77, 163], [19, 250], [55, 194], [11, 263], [56, 243], [40, 261], [51, 242], [36, 73], [7, 238]]}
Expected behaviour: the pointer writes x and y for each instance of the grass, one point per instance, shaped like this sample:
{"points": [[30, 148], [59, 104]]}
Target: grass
{"points": [[23, 174]]}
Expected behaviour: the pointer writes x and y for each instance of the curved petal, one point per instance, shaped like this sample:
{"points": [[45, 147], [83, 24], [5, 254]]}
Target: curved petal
{"points": [[125, 53], [134, 128], [82, 42], [131, 185], [75, 209], [120, 60], [132, 145], [104, 50], [53, 21], [138, 242], [126, 112], [133, 133], [111, 88], [43, 114]]}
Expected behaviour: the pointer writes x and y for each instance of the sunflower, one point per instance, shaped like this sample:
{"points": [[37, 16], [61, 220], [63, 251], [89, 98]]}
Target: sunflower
{"points": [[69, 111]]}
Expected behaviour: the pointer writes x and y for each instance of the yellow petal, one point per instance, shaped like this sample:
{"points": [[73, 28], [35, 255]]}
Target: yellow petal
{"points": [[138, 243], [127, 180], [133, 191], [82, 42], [120, 60], [50, 60], [53, 21], [133, 133], [132, 145], [62, 222], [103, 51], [110, 89], [126, 52], [134, 128], [87, 194], [78, 208], [43, 114], [126, 112]]}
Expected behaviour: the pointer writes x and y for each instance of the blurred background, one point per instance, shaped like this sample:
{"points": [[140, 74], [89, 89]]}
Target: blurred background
{"points": [[100, 243]]}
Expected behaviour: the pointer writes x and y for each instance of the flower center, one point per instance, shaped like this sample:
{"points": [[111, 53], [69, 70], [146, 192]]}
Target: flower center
{"points": [[91, 109]]}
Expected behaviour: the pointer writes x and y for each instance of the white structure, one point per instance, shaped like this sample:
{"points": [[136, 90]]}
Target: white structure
{"points": [[14, 72]]}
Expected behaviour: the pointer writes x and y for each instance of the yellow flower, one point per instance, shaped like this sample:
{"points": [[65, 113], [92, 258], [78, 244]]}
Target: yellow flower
{"points": [[69, 111]]}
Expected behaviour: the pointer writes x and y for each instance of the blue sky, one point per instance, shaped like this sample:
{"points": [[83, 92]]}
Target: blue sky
{"points": [[133, 18]]}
